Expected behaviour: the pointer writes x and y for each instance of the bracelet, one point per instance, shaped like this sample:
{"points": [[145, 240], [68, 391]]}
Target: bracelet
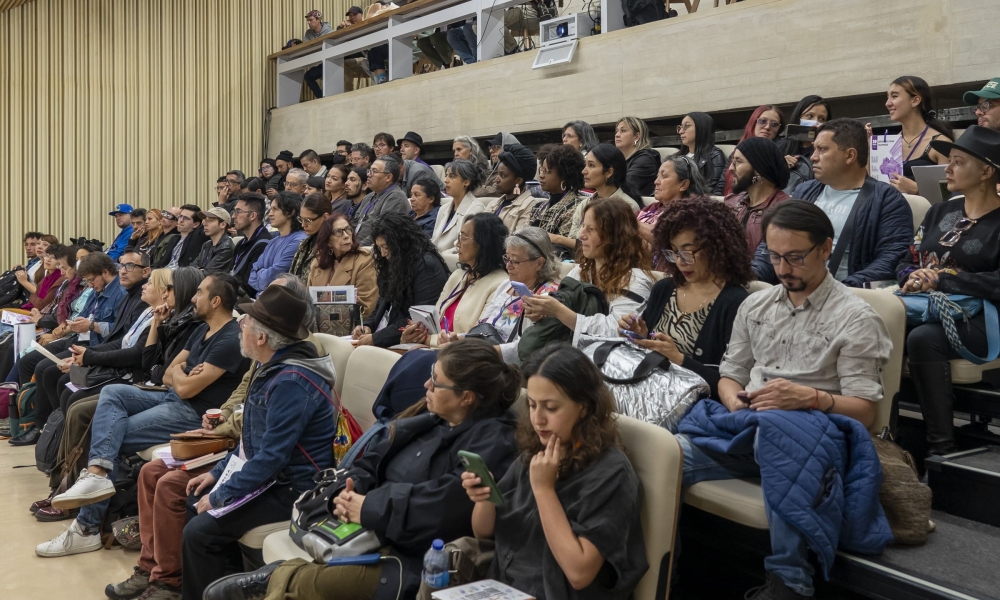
{"points": [[833, 402]]}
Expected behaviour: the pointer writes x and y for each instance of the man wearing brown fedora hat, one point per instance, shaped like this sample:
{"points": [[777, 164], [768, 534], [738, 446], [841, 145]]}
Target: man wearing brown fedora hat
{"points": [[289, 424]]}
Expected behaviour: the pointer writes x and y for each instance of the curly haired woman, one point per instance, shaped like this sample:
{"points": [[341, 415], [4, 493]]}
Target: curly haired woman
{"points": [[692, 310], [410, 272], [614, 260]]}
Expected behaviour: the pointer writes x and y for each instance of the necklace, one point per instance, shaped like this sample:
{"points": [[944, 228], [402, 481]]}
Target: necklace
{"points": [[915, 138]]}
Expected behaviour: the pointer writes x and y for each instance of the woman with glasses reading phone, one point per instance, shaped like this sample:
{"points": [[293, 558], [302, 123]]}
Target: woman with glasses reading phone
{"points": [[690, 313], [569, 523], [341, 261], [956, 251], [409, 489], [314, 211]]}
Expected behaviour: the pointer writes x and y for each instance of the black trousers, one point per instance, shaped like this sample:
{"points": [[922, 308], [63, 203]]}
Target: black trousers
{"points": [[928, 343], [211, 550]]}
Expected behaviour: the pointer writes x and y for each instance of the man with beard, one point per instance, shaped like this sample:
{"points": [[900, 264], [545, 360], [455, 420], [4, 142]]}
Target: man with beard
{"points": [[248, 219], [806, 345], [760, 175], [129, 419], [872, 221]]}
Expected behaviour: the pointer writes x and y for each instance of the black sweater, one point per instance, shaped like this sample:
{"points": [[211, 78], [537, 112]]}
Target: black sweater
{"points": [[714, 335], [975, 258], [641, 171]]}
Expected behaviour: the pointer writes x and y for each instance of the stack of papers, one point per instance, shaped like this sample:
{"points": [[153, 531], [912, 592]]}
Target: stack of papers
{"points": [[481, 590], [427, 315], [187, 465], [12, 318]]}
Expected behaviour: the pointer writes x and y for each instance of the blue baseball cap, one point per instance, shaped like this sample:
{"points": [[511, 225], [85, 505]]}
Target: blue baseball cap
{"points": [[122, 208]]}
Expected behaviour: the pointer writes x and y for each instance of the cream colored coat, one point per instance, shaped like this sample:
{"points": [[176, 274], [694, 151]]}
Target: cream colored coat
{"points": [[471, 303], [517, 214], [445, 231]]}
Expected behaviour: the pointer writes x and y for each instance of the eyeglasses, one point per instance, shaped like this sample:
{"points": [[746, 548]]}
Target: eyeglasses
{"points": [[961, 226], [984, 106], [793, 260], [240, 211], [684, 256], [435, 385], [509, 261], [307, 220], [129, 267], [464, 238], [374, 172], [184, 218], [684, 127], [89, 281], [762, 122], [337, 233]]}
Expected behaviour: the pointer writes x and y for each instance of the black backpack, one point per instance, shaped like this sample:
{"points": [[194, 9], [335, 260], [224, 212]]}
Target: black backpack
{"points": [[637, 12], [47, 448], [11, 292]]}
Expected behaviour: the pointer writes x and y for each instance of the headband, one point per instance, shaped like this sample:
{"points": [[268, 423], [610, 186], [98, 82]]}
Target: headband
{"points": [[541, 253]]}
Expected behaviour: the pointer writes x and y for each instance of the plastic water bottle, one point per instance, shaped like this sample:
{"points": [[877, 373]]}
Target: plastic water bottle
{"points": [[435, 573]]}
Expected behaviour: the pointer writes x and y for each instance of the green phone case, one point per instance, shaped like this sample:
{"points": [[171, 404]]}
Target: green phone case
{"points": [[475, 464]]}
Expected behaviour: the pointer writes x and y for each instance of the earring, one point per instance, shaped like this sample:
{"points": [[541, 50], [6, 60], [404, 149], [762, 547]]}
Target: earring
{"points": [[517, 190], [562, 185], [635, 143], [755, 179]]}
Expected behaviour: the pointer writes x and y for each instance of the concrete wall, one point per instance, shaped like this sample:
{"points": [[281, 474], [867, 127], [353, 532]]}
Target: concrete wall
{"points": [[737, 56]]}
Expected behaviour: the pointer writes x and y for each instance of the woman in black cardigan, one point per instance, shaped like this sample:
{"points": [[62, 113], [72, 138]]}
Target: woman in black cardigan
{"points": [[689, 316]]}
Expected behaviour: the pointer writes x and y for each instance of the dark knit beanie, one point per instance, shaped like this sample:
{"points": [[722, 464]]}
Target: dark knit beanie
{"points": [[520, 160], [765, 157]]}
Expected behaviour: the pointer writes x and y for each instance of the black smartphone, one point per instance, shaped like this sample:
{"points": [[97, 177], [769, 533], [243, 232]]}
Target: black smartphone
{"points": [[475, 464]]}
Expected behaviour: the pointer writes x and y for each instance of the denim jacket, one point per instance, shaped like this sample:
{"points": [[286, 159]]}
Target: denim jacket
{"points": [[288, 410], [103, 307]]}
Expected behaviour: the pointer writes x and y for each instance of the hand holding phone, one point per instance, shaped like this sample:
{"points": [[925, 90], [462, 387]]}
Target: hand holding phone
{"points": [[475, 464]]}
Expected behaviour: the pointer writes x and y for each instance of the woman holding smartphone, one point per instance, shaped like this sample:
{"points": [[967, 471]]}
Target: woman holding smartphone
{"points": [[408, 489], [533, 270], [569, 524]]}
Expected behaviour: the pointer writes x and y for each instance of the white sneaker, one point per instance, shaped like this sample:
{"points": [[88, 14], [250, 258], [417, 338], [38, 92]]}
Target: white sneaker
{"points": [[88, 489], [71, 541]]}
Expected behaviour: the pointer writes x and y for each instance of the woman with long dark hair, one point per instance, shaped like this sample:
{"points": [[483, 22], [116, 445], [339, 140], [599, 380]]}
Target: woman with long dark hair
{"points": [[409, 492], [612, 258], [461, 176], [766, 121], [690, 312], [315, 209], [341, 261], [335, 187], [911, 104], [481, 271], [632, 137], [811, 111], [697, 133], [279, 252], [569, 524], [579, 135], [561, 175], [604, 172], [52, 278], [173, 322], [410, 272]]}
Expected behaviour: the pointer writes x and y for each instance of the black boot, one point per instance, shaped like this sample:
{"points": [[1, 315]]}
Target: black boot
{"points": [[936, 396], [242, 586], [27, 439]]}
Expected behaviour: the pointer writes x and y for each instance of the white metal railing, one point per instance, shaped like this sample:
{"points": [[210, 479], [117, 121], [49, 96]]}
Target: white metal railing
{"points": [[397, 31]]}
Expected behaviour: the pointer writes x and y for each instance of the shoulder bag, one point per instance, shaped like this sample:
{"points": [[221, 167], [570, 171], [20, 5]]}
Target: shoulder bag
{"points": [[646, 385], [938, 307]]}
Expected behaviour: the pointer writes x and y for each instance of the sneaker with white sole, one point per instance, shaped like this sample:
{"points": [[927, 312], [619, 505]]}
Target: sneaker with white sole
{"points": [[71, 541], [88, 489]]}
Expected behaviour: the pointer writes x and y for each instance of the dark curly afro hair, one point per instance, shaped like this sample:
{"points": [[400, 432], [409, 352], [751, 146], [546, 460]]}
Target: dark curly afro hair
{"points": [[719, 233], [567, 162]]}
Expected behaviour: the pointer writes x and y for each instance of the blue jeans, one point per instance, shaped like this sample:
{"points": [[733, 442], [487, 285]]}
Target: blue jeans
{"points": [[789, 554], [129, 420], [463, 41], [313, 77]]}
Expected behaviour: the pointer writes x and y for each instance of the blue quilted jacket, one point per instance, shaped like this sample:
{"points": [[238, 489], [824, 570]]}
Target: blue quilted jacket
{"points": [[820, 472]]}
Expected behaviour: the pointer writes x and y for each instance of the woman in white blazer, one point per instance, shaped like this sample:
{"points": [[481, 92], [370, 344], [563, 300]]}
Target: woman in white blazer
{"points": [[470, 288], [461, 176]]}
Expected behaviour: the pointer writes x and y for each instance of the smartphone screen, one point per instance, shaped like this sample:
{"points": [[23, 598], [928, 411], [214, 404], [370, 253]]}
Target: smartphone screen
{"points": [[474, 464], [520, 289]]}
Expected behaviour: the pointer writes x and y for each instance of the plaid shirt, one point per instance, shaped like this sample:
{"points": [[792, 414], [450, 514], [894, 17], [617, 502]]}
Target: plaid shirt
{"points": [[557, 218]]}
